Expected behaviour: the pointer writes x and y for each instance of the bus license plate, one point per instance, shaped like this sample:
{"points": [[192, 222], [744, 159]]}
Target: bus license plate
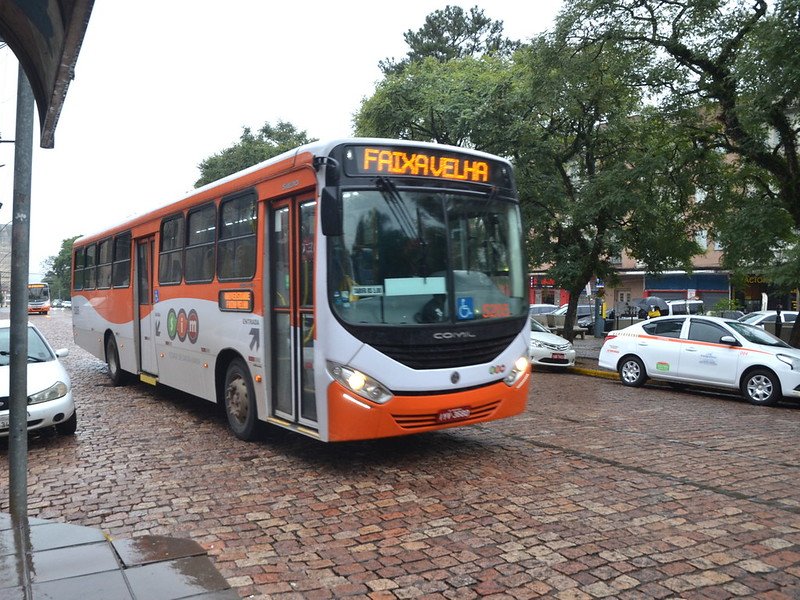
{"points": [[559, 356], [453, 414], [3, 423]]}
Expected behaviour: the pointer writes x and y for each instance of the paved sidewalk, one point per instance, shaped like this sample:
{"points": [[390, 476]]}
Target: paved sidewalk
{"points": [[45, 560]]}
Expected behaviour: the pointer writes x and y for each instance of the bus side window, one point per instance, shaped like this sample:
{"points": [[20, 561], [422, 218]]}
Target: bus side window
{"points": [[121, 268], [77, 276], [89, 273], [201, 236], [170, 256], [104, 249]]}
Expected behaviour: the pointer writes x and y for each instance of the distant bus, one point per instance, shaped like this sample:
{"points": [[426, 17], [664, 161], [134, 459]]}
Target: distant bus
{"points": [[355, 289], [38, 298]]}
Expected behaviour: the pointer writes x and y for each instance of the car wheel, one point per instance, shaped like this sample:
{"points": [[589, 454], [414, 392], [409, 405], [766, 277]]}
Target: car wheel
{"points": [[631, 371], [115, 372], [69, 426], [761, 387], [240, 401]]}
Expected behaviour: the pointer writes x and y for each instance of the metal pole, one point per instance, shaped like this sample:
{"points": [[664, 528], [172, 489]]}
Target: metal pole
{"points": [[20, 235]]}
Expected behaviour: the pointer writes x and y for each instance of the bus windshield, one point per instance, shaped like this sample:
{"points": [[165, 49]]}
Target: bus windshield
{"points": [[412, 257], [38, 292]]}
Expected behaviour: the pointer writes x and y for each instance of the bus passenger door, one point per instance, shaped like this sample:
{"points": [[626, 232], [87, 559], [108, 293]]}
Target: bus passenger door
{"points": [[292, 247], [146, 342]]}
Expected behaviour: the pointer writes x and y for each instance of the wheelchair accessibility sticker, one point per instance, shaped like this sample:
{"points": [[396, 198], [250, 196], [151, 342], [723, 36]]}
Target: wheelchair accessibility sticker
{"points": [[465, 309]]}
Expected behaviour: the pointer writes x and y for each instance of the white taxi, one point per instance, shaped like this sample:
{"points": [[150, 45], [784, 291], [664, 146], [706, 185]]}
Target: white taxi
{"points": [[50, 400], [707, 351]]}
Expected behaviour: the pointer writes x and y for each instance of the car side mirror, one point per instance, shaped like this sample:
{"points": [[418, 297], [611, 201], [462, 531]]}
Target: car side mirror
{"points": [[62, 352], [728, 339]]}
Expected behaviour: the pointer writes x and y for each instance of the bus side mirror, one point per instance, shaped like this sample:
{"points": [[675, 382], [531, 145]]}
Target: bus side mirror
{"points": [[331, 211]]}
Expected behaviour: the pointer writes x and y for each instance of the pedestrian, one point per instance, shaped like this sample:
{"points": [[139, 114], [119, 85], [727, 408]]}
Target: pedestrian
{"points": [[778, 320]]}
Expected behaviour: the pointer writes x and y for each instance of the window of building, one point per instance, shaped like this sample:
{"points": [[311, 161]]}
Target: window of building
{"points": [[238, 222], [201, 226]]}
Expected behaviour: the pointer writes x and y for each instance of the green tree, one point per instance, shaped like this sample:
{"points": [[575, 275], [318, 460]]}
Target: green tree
{"points": [[446, 102], [452, 33], [251, 149], [597, 172], [727, 72], [58, 270]]}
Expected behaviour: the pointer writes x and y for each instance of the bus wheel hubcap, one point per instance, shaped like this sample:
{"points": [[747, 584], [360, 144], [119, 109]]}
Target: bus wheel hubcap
{"points": [[237, 400]]}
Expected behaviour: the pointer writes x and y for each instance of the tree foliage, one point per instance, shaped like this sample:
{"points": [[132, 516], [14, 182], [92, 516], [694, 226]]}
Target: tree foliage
{"points": [[251, 149], [727, 73], [58, 269], [452, 33]]}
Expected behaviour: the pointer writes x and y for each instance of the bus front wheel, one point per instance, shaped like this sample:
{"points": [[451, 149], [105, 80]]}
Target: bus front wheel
{"points": [[240, 401]]}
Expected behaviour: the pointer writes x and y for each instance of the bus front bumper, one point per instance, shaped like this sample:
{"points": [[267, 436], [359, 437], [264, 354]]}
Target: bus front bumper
{"points": [[354, 418]]}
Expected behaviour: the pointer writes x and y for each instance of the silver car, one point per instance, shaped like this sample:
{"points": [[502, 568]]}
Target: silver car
{"points": [[548, 349], [50, 400]]}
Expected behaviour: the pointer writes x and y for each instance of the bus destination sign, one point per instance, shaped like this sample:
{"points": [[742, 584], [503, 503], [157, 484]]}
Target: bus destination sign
{"points": [[403, 161], [236, 301]]}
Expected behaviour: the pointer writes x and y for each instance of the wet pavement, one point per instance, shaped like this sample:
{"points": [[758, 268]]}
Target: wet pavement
{"points": [[596, 491], [44, 560]]}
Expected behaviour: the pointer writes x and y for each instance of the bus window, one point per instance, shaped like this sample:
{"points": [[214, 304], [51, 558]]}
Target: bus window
{"points": [[104, 264], [170, 257], [77, 277], [89, 274], [237, 238], [121, 270], [200, 245]]}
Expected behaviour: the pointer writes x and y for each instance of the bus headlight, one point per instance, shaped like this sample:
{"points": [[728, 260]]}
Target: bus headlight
{"points": [[54, 392], [360, 384], [521, 366]]}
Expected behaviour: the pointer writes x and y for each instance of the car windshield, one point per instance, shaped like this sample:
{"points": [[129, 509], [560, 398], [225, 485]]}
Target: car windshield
{"points": [[538, 327], [756, 335], [37, 349], [390, 266]]}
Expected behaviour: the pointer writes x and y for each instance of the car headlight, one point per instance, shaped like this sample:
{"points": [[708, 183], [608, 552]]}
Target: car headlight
{"points": [[793, 362], [360, 384], [521, 366], [54, 392], [536, 344]]}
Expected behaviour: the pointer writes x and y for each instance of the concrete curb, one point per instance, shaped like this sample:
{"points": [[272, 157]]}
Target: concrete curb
{"points": [[594, 372]]}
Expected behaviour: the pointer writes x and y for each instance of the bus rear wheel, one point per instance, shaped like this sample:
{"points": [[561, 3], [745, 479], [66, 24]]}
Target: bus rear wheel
{"points": [[115, 372], [240, 401]]}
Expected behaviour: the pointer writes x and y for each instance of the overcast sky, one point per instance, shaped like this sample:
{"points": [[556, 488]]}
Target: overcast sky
{"points": [[162, 84]]}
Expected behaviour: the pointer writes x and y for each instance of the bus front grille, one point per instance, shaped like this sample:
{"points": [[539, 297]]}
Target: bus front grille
{"points": [[446, 356], [422, 420]]}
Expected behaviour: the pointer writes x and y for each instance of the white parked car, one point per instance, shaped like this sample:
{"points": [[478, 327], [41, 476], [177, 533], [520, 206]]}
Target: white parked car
{"points": [[50, 400], [707, 351], [548, 349], [769, 316]]}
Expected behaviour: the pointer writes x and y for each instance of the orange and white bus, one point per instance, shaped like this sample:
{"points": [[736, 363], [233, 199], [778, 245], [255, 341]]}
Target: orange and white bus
{"points": [[38, 298], [354, 289]]}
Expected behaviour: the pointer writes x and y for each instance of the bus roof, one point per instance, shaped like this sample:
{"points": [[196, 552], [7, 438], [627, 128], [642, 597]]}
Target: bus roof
{"points": [[260, 172]]}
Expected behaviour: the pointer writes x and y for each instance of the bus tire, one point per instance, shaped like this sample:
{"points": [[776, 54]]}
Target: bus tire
{"points": [[240, 401], [116, 374]]}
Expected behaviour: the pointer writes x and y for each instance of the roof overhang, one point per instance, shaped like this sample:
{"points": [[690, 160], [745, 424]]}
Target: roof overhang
{"points": [[46, 37]]}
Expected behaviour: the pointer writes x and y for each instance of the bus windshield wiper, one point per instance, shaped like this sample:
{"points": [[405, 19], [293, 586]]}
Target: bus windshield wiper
{"points": [[398, 208]]}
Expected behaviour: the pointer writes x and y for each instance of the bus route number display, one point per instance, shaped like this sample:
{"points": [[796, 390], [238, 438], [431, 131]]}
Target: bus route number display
{"points": [[236, 301], [402, 161]]}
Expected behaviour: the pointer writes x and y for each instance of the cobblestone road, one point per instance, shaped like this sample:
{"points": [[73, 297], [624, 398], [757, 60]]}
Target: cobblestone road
{"points": [[597, 491]]}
